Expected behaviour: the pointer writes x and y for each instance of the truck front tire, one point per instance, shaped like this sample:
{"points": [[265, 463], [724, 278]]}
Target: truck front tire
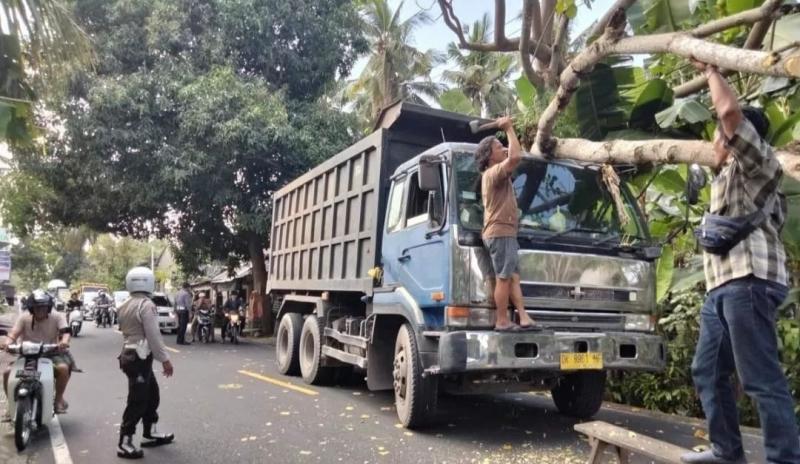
{"points": [[287, 344], [580, 394], [415, 396], [311, 353]]}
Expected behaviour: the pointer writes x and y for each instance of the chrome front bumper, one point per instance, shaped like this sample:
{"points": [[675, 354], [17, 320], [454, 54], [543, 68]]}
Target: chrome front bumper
{"points": [[465, 351]]}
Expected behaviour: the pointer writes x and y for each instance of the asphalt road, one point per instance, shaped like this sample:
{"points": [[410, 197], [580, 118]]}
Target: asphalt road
{"points": [[228, 404]]}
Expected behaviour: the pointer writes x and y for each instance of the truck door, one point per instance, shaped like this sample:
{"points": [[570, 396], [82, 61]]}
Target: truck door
{"points": [[412, 257]]}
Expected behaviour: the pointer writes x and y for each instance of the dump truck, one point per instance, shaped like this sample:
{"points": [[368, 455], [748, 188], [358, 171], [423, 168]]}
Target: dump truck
{"points": [[377, 265]]}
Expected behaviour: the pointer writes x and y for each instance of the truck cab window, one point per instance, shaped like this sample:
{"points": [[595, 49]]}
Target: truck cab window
{"points": [[417, 203], [395, 206]]}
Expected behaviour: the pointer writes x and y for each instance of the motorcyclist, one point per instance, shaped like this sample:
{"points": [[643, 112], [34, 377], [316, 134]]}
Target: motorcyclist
{"points": [[102, 304], [234, 304], [42, 325]]}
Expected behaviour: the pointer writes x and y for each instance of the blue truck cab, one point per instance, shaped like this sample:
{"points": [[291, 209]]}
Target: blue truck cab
{"points": [[377, 264]]}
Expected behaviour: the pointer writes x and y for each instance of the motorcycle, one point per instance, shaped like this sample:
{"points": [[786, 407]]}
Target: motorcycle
{"points": [[234, 321], [103, 318], [204, 325], [33, 384], [75, 320]]}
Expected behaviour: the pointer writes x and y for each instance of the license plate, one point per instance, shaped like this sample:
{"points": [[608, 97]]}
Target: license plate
{"points": [[577, 361], [22, 374]]}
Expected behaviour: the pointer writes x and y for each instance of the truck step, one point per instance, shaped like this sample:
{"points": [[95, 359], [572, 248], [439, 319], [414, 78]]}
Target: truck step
{"points": [[345, 357], [353, 340]]}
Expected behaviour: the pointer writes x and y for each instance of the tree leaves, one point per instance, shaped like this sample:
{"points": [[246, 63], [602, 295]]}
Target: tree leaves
{"points": [[684, 110]]}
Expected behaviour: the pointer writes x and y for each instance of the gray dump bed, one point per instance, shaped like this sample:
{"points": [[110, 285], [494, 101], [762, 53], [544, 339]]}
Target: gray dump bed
{"points": [[326, 224]]}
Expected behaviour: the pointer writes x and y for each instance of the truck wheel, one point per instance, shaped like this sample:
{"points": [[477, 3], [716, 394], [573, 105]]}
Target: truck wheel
{"points": [[415, 396], [287, 344], [580, 395], [311, 353]]}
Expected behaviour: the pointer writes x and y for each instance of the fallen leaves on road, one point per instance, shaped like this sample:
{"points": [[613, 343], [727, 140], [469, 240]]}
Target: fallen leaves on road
{"points": [[229, 386]]}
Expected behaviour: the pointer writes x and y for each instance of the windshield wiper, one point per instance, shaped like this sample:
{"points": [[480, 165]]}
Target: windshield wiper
{"points": [[573, 229]]}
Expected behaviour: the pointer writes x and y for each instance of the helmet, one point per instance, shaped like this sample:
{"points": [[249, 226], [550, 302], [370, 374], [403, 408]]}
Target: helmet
{"points": [[140, 279], [39, 298]]}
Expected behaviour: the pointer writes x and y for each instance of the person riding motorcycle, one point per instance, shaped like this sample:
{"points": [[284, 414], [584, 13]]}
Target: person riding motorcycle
{"points": [[102, 304], [42, 325]]}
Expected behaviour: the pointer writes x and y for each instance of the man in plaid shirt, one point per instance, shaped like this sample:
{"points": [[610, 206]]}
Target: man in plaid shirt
{"points": [[745, 287]]}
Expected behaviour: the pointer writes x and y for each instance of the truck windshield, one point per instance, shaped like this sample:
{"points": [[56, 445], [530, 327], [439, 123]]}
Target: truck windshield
{"points": [[558, 201]]}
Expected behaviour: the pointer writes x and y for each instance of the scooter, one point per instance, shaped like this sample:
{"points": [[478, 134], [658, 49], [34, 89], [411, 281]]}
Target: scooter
{"points": [[204, 325], [234, 326], [75, 321], [33, 383]]}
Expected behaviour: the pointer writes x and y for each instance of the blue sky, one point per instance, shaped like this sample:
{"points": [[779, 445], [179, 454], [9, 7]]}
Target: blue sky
{"points": [[437, 35]]}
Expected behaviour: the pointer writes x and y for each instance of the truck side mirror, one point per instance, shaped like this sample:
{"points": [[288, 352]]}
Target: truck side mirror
{"points": [[695, 181], [429, 177]]}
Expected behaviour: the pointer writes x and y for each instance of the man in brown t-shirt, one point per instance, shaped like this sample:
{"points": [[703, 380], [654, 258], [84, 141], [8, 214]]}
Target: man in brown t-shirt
{"points": [[500, 223]]}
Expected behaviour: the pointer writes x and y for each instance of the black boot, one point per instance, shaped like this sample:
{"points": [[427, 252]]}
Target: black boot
{"points": [[153, 438], [126, 449]]}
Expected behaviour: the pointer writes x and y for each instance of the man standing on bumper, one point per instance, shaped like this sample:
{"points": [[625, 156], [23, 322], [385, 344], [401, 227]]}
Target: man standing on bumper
{"points": [[745, 287], [500, 222], [138, 322]]}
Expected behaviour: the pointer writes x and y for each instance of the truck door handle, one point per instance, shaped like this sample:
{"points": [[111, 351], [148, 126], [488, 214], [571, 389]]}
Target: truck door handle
{"points": [[404, 258]]}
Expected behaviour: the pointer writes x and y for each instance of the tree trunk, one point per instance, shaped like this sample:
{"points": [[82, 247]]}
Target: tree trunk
{"points": [[663, 151], [255, 247]]}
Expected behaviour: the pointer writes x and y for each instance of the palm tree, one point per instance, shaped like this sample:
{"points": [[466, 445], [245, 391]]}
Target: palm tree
{"points": [[482, 76], [39, 40], [395, 70]]}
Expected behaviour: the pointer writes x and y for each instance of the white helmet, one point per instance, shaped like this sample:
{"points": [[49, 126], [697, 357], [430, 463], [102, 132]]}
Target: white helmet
{"points": [[140, 279]]}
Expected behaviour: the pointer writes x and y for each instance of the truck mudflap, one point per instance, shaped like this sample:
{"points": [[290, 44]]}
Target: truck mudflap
{"points": [[465, 351]]}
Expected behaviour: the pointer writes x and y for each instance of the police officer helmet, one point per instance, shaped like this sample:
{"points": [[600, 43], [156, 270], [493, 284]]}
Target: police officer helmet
{"points": [[39, 298], [140, 279]]}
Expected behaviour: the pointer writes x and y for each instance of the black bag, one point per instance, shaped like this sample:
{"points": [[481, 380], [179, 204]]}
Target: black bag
{"points": [[718, 234]]}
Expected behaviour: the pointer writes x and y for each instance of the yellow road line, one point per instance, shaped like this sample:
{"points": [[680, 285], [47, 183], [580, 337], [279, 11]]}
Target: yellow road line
{"points": [[280, 383], [172, 349]]}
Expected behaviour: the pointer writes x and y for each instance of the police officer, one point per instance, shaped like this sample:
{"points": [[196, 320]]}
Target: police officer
{"points": [[138, 322]]}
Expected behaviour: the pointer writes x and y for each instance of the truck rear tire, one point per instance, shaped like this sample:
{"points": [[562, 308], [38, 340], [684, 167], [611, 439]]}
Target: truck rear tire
{"points": [[580, 394], [415, 396], [287, 344], [311, 353]]}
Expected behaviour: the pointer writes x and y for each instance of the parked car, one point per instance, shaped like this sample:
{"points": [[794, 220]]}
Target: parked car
{"points": [[167, 321]]}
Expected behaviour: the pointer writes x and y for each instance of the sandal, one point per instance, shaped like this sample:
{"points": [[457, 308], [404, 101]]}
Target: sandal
{"points": [[513, 328]]}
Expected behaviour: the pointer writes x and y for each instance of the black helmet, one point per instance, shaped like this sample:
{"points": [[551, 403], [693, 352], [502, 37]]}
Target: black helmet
{"points": [[39, 298]]}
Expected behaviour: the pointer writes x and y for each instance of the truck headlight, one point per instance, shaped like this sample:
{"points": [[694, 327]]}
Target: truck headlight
{"points": [[640, 322], [462, 316]]}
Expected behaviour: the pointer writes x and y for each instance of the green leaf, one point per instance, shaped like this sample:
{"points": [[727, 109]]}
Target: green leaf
{"points": [[669, 181], [737, 6], [650, 16], [784, 133], [454, 100], [683, 110], [525, 90], [664, 271]]}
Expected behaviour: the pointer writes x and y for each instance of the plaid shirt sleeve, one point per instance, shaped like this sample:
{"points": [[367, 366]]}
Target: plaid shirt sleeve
{"points": [[751, 152]]}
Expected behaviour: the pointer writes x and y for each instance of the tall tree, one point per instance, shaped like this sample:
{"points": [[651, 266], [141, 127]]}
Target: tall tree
{"points": [[191, 122], [482, 76], [395, 68]]}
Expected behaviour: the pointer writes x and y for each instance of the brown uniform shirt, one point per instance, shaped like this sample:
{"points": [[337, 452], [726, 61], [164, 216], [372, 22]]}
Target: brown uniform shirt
{"points": [[500, 215]]}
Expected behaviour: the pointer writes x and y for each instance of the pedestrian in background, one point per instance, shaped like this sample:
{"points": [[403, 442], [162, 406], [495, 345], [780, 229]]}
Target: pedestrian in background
{"points": [[138, 322], [183, 304]]}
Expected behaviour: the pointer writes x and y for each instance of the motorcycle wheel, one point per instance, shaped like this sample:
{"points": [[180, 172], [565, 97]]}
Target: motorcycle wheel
{"points": [[22, 424]]}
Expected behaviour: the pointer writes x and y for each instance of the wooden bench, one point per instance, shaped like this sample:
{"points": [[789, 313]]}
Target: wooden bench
{"points": [[623, 442]]}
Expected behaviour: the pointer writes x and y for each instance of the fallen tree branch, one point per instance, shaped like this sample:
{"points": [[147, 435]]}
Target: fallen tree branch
{"points": [[659, 151], [678, 43]]}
